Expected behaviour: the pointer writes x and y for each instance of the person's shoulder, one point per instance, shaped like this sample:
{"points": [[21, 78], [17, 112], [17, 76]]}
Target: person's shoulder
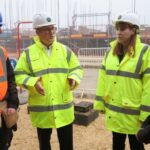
{"points": [[26, 50], [30, 47], [144, 49], [3, 49], [60, 44], [145, 46]]}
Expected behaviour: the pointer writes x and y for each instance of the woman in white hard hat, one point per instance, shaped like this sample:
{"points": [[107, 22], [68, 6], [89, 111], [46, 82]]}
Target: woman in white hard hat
{"points": [[124, 83]]}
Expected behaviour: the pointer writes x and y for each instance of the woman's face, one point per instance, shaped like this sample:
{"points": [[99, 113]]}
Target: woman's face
{"points": [[124, 33]]}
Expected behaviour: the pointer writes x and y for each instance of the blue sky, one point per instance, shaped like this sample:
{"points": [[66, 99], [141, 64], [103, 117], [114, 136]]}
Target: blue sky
{"points": [[23, 10]]}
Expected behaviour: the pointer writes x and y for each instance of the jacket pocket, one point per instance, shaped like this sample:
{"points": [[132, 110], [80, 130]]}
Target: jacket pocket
{"points": [[131, 102], [36, 63], [67, 97]]}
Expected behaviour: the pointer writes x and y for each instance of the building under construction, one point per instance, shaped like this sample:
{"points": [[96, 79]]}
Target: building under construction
{"points": [[87, 31]]}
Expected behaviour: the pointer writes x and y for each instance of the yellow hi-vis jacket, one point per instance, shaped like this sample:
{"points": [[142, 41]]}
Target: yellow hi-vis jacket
{"points": [[123, 90], [55, 109]]}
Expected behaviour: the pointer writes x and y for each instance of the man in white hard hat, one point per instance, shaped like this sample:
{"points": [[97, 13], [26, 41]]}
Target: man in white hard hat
{"points": [[123, 84], [50, 71], [8, 98]]}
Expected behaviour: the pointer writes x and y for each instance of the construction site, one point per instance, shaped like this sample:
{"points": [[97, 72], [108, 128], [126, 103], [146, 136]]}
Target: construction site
{"points": [[89, 36], [89, 41], [90, 44]]}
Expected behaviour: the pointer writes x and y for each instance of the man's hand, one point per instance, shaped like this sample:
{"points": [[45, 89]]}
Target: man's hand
{"points": [[10, 111], [72, 83], [39, 87]]}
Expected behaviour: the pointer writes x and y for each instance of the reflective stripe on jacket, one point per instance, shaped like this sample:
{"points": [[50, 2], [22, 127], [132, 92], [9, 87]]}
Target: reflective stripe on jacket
{"points": [[123, 89], [3, 73], [55, 109]]}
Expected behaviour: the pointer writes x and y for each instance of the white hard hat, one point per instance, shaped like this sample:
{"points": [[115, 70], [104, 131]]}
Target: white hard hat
{"points": [[41, 20], [128, 17]]}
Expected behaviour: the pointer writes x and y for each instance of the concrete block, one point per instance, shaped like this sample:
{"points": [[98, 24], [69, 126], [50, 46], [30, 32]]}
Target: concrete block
{"points": [[83, 106], [85, 118]]}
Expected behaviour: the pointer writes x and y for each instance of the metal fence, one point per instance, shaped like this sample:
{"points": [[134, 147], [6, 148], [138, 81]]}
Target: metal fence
{"points": [[92, 52], [91, 57]]}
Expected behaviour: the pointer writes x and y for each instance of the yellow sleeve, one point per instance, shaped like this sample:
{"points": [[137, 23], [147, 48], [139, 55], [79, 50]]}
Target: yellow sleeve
{"points": [[22, 73], [145, 99], [75, 69], [99, 103]]}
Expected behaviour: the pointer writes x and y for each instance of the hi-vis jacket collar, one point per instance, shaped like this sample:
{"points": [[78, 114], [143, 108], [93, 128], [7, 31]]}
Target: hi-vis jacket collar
{"points": [[138, 40], [37, 41]]}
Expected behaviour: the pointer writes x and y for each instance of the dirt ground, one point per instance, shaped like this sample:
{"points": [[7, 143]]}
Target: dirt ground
{"points": [[91, 137]]}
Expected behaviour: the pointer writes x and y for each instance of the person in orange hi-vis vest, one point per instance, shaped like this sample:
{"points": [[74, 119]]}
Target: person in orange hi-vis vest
{"points": [[8, 98]]}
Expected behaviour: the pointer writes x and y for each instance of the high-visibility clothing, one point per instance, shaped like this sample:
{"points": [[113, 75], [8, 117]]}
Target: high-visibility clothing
{"points": [[123, 90], [3, 73], [55, 109]]}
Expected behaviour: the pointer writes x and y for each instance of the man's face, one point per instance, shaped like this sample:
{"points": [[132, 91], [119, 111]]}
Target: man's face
{"points": [[47, 34]]}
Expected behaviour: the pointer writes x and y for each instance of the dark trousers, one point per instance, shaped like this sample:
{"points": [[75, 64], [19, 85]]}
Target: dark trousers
{"points": [[119, 142], [5, 136], [65, 137]]}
